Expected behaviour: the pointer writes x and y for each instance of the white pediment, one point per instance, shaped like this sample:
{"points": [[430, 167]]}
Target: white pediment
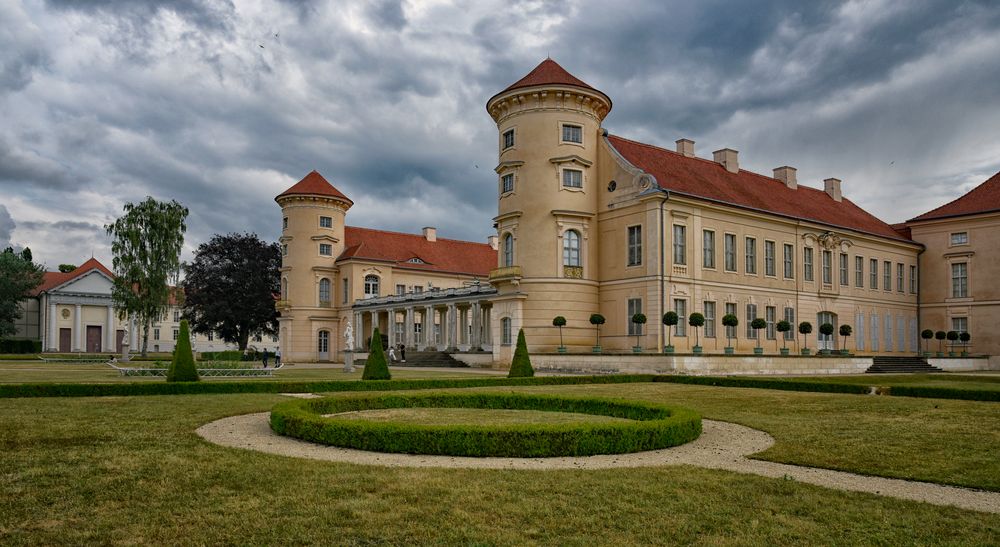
{"points": [[92, 282]]}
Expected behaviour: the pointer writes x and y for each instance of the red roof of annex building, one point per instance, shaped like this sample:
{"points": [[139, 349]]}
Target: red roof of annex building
{"points": [[52, 280], [441, 255], [314, 184], [984, 198], [707, 179]]}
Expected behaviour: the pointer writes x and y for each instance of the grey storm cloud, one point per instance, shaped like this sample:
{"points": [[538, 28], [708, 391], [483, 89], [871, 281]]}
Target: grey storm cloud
{"points": [[222, 105], [7, 226]]}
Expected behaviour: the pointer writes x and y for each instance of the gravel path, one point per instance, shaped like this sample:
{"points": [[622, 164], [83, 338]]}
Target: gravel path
{"points": [[721, 445]]}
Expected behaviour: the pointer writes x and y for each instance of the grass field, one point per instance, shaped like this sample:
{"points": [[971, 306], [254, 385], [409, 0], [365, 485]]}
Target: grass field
{"points": [[132, 470], [986, 381]]}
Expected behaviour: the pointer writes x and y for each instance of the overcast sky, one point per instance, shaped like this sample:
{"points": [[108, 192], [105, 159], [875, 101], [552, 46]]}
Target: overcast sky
{"points": [[223, 105]]}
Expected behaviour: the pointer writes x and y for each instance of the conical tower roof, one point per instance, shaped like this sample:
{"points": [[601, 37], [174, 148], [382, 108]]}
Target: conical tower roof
{"points": [[314, 184], [551, 73]]}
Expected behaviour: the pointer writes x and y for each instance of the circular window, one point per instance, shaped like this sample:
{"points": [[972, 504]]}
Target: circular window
{"points": [[65, 313], [612, 185]]}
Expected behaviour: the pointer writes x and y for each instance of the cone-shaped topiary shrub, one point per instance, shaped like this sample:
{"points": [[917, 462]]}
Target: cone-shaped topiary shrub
{"points": [[182, 367], [376, 368], [520, 366]]}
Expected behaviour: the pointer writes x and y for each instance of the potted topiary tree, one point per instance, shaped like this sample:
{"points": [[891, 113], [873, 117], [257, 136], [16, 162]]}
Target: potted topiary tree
{"points": [[670, 319], [845, 331], [940, 336], [783, 327], [756, 325], [826, 329], [731, 321], [965, 337], [520, 365], [560, 321], [597, 320], [952, 337], [805, 328], [927, 334], [376, 368], [696, 320], [639, 319]]}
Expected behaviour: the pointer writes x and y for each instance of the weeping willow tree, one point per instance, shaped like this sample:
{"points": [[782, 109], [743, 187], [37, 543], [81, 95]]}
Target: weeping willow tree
{"points": [[146, 243]]}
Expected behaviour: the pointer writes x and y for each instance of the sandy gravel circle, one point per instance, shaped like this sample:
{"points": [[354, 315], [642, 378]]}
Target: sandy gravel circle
{"points": [[721, 445]]}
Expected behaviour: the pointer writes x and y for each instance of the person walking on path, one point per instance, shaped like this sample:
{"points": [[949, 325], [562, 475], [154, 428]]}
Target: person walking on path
{"points": [[402, 353], [265, 357], [277, 357], [392, 354]]}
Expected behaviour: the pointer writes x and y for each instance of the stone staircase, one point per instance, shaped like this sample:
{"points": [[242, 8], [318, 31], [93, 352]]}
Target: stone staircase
{"points": [[900, 364]]}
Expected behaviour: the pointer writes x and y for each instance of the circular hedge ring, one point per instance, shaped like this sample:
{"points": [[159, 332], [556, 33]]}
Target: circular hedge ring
{"points": [[650, 426]]}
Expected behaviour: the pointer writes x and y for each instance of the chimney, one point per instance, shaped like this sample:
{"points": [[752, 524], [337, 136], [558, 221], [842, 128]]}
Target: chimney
{"points": [[494, 242], [685, 147], [727, 157], [832, 187], [430, 233], [786, 174]]}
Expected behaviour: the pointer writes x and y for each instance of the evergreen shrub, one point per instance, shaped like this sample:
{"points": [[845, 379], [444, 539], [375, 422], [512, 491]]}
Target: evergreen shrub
{"points": [[182, 368], [520, 365], [376, 367]]}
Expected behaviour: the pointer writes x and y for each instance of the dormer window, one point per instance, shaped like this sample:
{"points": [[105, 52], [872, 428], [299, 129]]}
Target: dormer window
{"points": [[508, 139], [415, 260], [572, 133], [325, 222]]}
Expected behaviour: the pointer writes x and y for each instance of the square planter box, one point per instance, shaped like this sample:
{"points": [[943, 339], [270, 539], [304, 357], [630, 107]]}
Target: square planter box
{"points": [[951, 354], [595, 349], [845, 352], [965, 354], [562, 349], [668, 349], [784, 351], [730, 351], [940, 354], [806, 351], [758, 351], [697, 350], [636, 349]]}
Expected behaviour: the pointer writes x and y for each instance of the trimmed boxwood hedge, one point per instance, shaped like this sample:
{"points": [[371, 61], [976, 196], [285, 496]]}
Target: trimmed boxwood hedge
{"points": [[651, 427]]}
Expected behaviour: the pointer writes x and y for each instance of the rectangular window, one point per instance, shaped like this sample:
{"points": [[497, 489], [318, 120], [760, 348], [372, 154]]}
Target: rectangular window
{"points": [[325, 249], [325, 222], [324, 291], [507, 183], [572, 133], [789, 261], [572, 178], [634, 246], [960, 238], [888, 330], [345, 289], [508, 139], [959, 280], [709, 313], [680, 308], [400, 290], [156, 334], [730, 310], [284, 250], [859, 271], [887, 275], [284, 223], [960, 324], [418, 289], [708, 249], [751, 254], [211, 336], [899, 277], [807, 263], [751, 315], [913, 280], [770, 313], [790, 317], [730, 251], [680, 245], [845, 278], [873, 273], [177, 316], [769, 258], [177, 334], [634, 307], [900, 333], [827, 275]]}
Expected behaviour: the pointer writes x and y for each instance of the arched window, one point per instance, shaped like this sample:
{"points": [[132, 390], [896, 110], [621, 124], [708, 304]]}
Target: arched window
{"points": [[505, 332], [371, 286], [284, 288], [571, 248], [508, 250], [324, 291]]}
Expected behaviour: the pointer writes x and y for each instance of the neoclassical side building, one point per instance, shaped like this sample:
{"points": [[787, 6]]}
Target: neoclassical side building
{"points": [[593, 223]]}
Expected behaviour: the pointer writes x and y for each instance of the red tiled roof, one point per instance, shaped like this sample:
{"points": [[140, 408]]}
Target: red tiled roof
{"points": [[707, 179], [902, 229], [984, 198], [55, 279], [314, 184], [548, 72], [443, 255]]}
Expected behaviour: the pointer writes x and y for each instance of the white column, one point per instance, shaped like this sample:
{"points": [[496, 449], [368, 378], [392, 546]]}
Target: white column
{"points": [[477, 324], [428, 328], [374, 317], [53, 341], [359, 330], [452, 320], [77, 328], [111, 334], [409, 337], [390, 325]]}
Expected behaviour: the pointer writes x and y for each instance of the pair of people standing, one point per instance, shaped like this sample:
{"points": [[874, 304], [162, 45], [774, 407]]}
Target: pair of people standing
{"points": [[277, 357], [397, 353]]}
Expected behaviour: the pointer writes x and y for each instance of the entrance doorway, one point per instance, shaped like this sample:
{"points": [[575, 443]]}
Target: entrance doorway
{"points": [[93, 339], [826, 341], [324, 345], [65, 338]]}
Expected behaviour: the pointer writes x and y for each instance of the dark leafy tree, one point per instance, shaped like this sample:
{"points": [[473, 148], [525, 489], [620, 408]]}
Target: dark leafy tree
{"points": [[520, 365], [731, 321], [670, 319], [376, 367], [230, 287], [696, 320], [783, 327], [146, 242], [845, 331], [640, 320], [927, 334], [559, 321], [952, 337], [597, 320], [66, 268], [182, 367], [805, 328], [19, 276], [756, 325], [940, 336]]}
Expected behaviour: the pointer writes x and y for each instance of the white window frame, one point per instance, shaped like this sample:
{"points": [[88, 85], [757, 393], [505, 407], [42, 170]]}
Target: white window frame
{"points": [[708, 308], [633, 306], [769, 251], [958, 238], [729, 253], [845, 274], [750, 252], [788, 260], [680, 244], [325, 247], [563, 130], [373, 285], [680, 308], [913, 279], [959, 279], [503, 139], [325, 222], [506, 332], [508, 249], [708, 249], [324, 287], [807, 264], [568, 173], [504, 189], [873, 274], [859, 271], [887, 275], [827, 267], [731, 309], [571, 247], [771, 316], [633, 254]]}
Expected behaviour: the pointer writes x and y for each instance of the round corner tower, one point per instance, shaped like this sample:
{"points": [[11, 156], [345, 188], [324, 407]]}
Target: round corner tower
{"points": [[312, 237], [549, 128]]}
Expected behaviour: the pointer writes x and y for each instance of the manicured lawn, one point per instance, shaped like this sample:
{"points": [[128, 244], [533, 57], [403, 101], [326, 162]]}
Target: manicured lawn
{"points": [[950, 380], [132, 470], [477, 416]]}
